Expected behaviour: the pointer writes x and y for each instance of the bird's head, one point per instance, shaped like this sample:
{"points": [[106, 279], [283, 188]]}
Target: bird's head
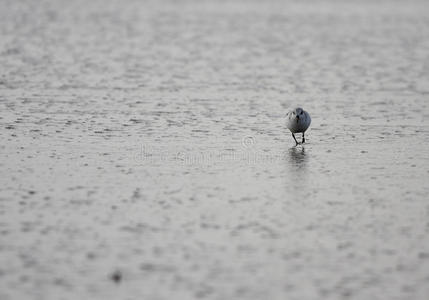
{"points": [[296, 113]]}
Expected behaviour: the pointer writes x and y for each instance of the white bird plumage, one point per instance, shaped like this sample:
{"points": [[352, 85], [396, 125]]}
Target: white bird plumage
{"points": [[298, 120]]}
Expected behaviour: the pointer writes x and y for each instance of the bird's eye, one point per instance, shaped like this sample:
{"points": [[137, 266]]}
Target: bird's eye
{"points": [[301, 113]]}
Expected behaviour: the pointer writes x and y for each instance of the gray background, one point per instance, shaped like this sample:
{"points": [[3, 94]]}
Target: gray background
{"points": [[148, 140]]}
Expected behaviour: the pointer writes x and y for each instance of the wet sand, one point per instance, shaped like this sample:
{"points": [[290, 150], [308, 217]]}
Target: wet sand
{"points": [[145, 155]]}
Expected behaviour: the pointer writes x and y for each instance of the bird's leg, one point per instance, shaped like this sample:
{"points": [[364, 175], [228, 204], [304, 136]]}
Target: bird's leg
{"points": [[303, 138], [295, 139]]}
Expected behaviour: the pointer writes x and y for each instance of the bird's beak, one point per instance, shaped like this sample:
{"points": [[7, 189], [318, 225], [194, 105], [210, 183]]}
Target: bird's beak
{"points": [[297, 118]]}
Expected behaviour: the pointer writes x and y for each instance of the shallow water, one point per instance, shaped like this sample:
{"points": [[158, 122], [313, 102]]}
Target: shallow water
{"points": [[145, 153]]}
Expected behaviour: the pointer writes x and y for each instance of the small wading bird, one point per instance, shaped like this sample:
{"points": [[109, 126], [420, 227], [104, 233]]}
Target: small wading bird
{"points": [[298, 120]]}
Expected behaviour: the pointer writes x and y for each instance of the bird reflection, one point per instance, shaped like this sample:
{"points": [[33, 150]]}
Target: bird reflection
{"points": [[297, 156], [297, 170]]}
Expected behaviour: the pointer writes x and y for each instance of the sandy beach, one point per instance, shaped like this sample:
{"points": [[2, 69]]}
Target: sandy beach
{"points": [[145, 155]]}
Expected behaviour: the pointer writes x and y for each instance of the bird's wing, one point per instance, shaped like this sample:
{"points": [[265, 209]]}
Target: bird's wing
{"points": [[308, 118]]}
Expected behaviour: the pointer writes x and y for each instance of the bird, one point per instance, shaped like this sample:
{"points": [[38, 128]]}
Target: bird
{"points": [[298, 120]]}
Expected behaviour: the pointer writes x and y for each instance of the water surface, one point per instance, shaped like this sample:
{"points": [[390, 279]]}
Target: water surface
{"points": [[144, 151]]}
